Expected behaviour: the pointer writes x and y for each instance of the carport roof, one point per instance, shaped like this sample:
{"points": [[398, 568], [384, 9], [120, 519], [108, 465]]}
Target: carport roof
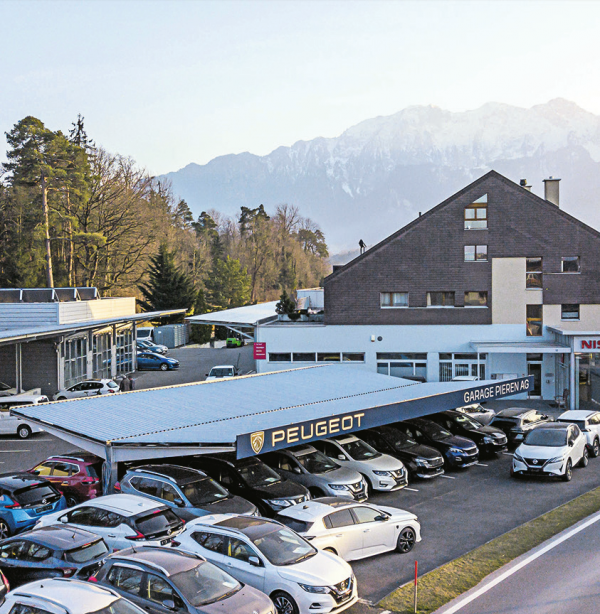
{"points": [[220, 412], [251, 315], [519, 347]]}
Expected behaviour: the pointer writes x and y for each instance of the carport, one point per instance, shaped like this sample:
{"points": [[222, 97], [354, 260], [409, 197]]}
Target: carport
{"points": [[249, 414]]}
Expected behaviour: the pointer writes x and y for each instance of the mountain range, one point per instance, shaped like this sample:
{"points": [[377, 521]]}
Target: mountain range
{"points": [[378, 175]]}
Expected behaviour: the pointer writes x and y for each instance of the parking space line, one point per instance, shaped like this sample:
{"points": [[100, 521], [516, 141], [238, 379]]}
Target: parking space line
{"points": [[507, 453], [481, 465], [11, 451], [411, 490], [448, 477]]}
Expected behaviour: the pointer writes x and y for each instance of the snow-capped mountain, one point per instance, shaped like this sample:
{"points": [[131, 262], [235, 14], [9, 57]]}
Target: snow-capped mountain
{"points": [[378, 175]]}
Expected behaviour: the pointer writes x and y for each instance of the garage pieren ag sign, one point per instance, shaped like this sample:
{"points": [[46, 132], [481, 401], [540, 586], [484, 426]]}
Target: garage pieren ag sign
{"points": [[280, 437]]}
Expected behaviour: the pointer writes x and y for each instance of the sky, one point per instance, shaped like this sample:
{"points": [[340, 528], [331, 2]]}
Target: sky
{"points": [[174, 82]]}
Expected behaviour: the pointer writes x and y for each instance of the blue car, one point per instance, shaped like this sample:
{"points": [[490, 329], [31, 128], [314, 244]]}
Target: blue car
{"points": [[24, 498], [149, 360]]}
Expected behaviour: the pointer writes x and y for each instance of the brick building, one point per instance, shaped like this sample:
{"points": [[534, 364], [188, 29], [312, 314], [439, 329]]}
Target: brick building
{"points": [[493, 282]]}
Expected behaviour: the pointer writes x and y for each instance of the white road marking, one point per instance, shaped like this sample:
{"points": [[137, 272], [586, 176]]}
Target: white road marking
{"points": [[519, 566], [365, 601], [448, 477], [481, 465], [386, 612], [11, 451], [411, 490], [508, 453]]}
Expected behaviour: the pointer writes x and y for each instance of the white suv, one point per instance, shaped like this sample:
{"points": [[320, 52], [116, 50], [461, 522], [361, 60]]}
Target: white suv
{"points": [[272, 558], [589, 423], [66, 596], [89, 388], [551, 449], [121, 520], [381, 471]]}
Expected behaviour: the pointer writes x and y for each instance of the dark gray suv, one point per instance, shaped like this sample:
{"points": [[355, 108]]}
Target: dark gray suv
{"points": [[161, 580], [191, 493]]}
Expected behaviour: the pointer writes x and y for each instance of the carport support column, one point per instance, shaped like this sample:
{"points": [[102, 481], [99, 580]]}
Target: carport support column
{"points": [[109, 472], [18, 368], [113, 352], [572, 383]]}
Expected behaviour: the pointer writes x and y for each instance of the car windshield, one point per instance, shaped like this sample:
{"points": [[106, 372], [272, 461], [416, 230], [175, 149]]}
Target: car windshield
{"points": [[221, 372], [258, 474], [553, 438], [403, 441], [112, 384], [39, 494], [316, 462], [119, 606], [284, 547], [580, 423], [87, 553], [435, 432], [205, 584], [204, 492], [359, 450], [300, 526], [467, 422], [157, 522], [4, 386]]}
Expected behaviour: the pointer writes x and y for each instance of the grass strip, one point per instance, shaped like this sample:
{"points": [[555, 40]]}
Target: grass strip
{"points": [[448, 581]]}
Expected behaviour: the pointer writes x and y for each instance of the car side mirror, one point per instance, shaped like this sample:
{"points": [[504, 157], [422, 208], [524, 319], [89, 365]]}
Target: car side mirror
{"points": [[341, 457], [254, 561], [382, 518], [36, 472], [179, 502], [169, 604], [206, 375], [571, 443], [64, 519], [297, 470]]}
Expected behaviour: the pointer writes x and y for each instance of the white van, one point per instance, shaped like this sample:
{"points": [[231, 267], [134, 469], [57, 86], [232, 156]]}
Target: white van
{"points": [[145, 333], [12, 425]]}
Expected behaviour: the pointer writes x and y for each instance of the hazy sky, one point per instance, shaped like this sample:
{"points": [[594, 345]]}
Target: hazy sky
{"points": [[171, 82]]}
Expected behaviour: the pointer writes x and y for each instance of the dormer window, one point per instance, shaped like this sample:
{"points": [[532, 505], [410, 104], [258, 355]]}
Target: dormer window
{"points": [[476, 214]]}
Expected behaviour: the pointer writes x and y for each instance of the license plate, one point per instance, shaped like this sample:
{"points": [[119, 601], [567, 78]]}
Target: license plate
{"points": [[45, 508], [164, 542], [535, 469]]}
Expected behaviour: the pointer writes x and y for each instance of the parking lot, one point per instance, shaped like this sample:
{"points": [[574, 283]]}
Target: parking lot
{"points": [[458, 511]]}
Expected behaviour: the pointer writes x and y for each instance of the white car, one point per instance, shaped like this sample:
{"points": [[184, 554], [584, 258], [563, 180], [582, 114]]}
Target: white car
{"points": [[121, 520], [589, 423], [221, 371], [299, 578], [66, 596], [353, 530], [551, 450], [7, 391], [478, 412], [382, 472], [13, 425], [88, 388]]}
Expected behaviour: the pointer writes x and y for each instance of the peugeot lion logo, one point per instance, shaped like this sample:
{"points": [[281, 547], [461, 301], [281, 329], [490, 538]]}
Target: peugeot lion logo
{"points": [[257, 440]]}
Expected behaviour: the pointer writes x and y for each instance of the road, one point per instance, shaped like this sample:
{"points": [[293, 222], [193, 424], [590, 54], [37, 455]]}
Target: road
{"points": [[561, 580]]}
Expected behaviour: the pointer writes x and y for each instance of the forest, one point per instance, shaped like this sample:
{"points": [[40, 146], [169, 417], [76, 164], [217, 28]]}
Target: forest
{"points": [[74, 214]]}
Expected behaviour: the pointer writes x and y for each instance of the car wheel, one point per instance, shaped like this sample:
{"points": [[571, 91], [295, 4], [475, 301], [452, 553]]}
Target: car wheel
{"points": [[316, 492], [585, 458], [164, 366], [284, 603], [568, 472], [369, 485], [406, 540], [330, 550], [61, 399], [596, 448], [4, 530], [71, 500], [23, 431]]}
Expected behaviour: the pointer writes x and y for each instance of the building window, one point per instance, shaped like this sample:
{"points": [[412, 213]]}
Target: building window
{"points": [[353, 357], [570, 264], [533, 273], [440, 299], [569, 312], [125, 350], [476, 216], [460, 365], [476, 299], [280, 357], [101, 354], [393, 299], [75, 354], [413, 366], [476, 253], [328, 357], [534, 320], [304, 357]]}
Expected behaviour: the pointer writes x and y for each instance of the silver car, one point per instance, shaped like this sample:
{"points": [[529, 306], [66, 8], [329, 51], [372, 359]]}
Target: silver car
{"points": [[382, 472], [321, 475]]}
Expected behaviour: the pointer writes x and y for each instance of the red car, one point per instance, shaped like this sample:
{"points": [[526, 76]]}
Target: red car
{"points": [[76, 475]]}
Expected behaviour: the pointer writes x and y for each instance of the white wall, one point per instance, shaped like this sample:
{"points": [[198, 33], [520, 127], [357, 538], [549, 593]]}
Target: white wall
{"points": [[103, 309]]}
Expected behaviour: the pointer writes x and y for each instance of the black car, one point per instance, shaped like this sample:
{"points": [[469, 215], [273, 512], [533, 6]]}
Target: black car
{"points": [[254, 480], [489, 440], [457, 451], [421, 461], [163, 580], [51, 552], [516, 422]]}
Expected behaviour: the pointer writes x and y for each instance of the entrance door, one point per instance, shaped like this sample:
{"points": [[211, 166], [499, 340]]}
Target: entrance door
{"points": [[535, 370]]}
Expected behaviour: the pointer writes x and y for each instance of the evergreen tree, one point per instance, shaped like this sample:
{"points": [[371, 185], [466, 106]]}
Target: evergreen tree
{"points": [[228, 285], [167, 287]]}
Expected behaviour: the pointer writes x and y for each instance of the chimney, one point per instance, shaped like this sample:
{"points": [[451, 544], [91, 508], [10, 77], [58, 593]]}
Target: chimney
{"points": [[523, 184], [551, 190]]}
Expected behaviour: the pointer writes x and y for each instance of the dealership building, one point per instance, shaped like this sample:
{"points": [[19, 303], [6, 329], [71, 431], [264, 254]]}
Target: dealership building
{"points": [[494, 283]]}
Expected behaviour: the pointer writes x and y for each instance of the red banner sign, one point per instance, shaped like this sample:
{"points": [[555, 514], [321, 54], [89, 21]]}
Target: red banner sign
{"points": [[260, 351]]}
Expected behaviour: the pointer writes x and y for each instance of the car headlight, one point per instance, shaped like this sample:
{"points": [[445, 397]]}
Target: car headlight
{"points": [[556, 459], [455, 451], [518, 457], [314, 589], [422, 462], [338, 486], [279, 502], [384, 473], [488, 440]]}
